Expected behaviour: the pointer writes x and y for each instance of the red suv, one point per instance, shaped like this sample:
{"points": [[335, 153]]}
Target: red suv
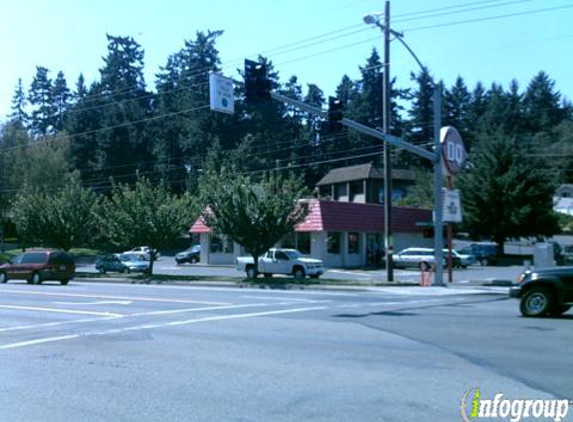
{"points": [[36, 266]]}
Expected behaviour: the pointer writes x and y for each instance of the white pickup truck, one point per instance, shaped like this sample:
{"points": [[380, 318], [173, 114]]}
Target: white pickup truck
{"points": [[282, 261]]}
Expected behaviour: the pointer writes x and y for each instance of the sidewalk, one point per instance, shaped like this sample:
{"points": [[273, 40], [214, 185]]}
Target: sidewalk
{"points": [[398, 286]]}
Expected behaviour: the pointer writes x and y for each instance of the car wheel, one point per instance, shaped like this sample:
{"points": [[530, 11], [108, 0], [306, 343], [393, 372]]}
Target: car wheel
{"points": [[3, 277], [251, 273], [484, 262], [64, 281], [298, 273], [101, 270], [536, 302], [194, 260], [36, 278], [126, 270], [178, 261]]}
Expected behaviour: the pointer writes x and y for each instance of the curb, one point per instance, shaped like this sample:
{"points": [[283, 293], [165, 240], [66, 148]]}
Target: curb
{"points": [[487, 288]]}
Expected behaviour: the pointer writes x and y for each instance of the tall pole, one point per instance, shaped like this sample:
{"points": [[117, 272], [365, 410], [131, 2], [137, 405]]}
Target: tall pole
{"points": [[389, 244], [438, 226]]}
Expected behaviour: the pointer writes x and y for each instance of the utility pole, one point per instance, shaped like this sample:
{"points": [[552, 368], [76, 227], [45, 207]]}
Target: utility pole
{"points": [[386, 115]]}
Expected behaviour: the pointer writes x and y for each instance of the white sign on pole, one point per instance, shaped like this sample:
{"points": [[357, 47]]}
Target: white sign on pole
{"points": [[221, 93], [451, 206]]}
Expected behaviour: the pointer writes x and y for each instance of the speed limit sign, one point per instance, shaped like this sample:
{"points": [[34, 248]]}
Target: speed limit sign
{"points": [[453, 150]]}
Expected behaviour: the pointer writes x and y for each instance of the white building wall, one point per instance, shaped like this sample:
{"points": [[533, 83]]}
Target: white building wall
{"points": [[319, 249]]}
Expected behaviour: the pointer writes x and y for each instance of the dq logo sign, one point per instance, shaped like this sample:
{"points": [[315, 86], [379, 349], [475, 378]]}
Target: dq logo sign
{"points": [[453, 150]]}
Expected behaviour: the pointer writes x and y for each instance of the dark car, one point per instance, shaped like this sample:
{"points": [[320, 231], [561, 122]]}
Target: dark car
{"points": [[36, 266], [192, 255], [544, 291], [123, 263], [486, 253]]}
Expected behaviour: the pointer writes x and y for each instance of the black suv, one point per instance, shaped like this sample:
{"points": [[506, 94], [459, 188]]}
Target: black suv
{"points": [[544, 291], [486, 253]]}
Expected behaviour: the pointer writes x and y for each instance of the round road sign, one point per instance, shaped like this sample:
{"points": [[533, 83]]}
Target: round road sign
{"points": [[453, 150]]}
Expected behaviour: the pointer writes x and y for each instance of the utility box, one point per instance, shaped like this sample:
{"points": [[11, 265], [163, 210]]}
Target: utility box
{"points": [[543, 255]]}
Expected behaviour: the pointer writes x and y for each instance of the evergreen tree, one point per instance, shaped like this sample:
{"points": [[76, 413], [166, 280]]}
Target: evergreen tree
{"points": [[542, 104], [19, 116], [81, 89], [122, 140], [182, 141], [61, 97], [457, 101], [506, 193], [420, 126], [41, 100]]}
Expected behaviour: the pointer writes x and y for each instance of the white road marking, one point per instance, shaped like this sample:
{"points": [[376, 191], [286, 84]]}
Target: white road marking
{"points": [[100, 302], [216, 308], [55, 324], [227, 289], [154, 326], [39, 341], [350, 273], [62, 311], [98, 296], [282, 298]]}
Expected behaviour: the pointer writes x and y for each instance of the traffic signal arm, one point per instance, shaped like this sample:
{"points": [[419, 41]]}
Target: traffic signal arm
{"points": [[393, 140]]}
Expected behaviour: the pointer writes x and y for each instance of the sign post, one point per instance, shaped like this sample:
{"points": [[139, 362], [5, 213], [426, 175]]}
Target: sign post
{"points": [[453, 157]]}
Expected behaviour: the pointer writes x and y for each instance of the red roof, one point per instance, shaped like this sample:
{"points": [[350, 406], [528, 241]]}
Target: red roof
{"points": [[350, 216]]}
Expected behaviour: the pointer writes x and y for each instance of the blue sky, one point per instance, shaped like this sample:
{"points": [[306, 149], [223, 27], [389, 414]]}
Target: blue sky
{"points": [[454, 37]]}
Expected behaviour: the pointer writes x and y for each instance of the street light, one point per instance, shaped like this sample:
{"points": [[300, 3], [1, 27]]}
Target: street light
{"points": [[375, 19]]}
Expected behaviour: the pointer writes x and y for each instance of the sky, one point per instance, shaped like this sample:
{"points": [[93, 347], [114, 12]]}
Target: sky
{"points": [[319, 41]]}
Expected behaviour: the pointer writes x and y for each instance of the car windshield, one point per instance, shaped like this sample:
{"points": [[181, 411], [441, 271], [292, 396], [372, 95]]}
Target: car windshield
{"points": [[34, 258], [293, 254]]}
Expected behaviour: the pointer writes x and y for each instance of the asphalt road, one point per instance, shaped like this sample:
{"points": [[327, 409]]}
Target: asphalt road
{"points": [[105, 352]]}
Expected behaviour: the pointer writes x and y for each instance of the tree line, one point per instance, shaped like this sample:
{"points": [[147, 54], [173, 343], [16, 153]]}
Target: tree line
{"points": [[115, 128]]}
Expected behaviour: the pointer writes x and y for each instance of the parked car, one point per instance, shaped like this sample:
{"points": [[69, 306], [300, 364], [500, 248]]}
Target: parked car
{"points": [[282, 261], [544, 291], [123, 263], [487, 253], [192, 255], [413, 257], [40, 265], [144, 251], [460, 260]]}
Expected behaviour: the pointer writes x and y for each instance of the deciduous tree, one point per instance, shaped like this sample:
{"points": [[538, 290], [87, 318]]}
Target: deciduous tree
{"points": [[255, 214]]}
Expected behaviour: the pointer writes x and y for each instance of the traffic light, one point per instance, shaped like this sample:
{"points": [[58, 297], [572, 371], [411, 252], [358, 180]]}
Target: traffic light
{"points": [[335, 113], [257, 84]]}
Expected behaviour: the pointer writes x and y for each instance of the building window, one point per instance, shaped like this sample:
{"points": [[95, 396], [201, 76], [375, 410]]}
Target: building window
{"points": [[353, 243], [220, 244], [289, 241], [299, 241], [397, 194], [340, 191], [303, 242], [356, 188], [333, 243]]}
